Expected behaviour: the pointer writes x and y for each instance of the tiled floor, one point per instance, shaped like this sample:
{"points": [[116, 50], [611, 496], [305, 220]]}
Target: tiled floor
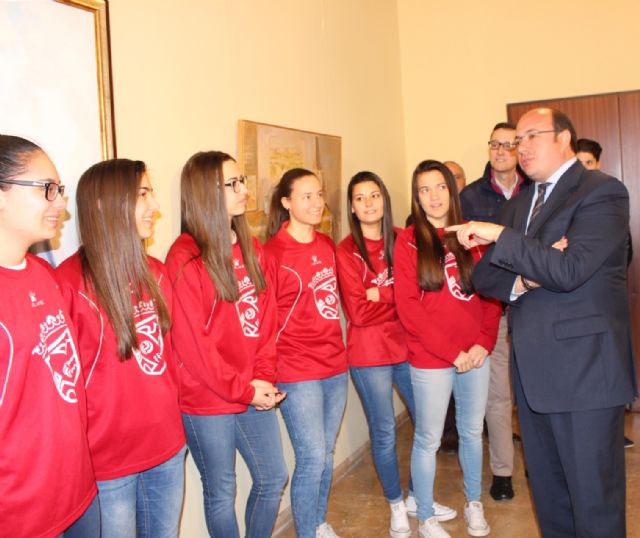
{"points": [[358, 509]]}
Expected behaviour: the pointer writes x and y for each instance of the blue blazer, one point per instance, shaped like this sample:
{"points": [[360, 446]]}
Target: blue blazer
{"points": [[571, 338]]}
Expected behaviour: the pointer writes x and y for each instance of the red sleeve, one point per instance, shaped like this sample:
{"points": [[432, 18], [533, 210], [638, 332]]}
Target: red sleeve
{"points": [[265, 361], [492, 311], [357, 308], [409, 304], [190, 342]]}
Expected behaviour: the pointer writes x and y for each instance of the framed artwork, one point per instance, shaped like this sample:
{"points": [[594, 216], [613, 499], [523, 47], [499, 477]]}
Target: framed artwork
{"points": [[56, 91], [265, 152]]}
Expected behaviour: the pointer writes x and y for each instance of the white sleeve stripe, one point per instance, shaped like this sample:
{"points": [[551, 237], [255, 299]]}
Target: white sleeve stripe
{"points": [[6, 380], [95, 360], [294, 302]]}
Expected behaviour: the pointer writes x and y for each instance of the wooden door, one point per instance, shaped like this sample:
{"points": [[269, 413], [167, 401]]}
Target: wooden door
{"points": [[614, 121]]}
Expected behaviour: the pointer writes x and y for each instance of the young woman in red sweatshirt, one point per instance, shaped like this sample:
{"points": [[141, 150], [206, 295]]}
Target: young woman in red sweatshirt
{"points": [[46, 480], [224, 337], [120, 301], [311, 356], [376, 345], [450, 332]]}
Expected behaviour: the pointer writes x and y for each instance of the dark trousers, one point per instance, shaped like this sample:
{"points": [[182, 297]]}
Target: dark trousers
{"points": [[576, 469]]}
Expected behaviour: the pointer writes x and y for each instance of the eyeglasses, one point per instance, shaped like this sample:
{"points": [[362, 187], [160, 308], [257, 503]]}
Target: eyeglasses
{"points": [[235, 182], [51, 188], [508, 146], [530, 136]]}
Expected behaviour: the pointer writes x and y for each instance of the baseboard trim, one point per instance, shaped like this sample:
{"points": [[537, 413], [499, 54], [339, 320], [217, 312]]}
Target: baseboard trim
{"points": [[285, 518]]}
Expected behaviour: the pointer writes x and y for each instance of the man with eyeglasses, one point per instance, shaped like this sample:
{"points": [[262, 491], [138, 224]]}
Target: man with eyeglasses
{"points": [[482, 200], [570, 327]]}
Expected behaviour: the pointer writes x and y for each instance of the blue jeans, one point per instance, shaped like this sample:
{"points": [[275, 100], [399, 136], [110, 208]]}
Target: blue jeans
{"points": [[87, 525], [313, 412], [145, 504], [375, 387], [213, 440], [432, 390]]}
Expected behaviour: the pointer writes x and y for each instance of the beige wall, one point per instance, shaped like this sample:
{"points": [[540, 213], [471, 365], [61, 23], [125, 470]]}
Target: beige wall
{"points": [[185, 72], [463, 61]]}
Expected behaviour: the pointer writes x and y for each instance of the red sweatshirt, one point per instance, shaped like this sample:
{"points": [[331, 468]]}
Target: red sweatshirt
{"points": [[440, 324], [46, 479], [133, 414], [375, 336], [309, 334], [221, 346]]}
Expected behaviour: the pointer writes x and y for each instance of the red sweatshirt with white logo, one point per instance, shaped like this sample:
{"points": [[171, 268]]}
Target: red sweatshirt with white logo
{"points": [[46, 478], [221, 346], [309, 335], [132, 405], [375, 336], [440, 324]]}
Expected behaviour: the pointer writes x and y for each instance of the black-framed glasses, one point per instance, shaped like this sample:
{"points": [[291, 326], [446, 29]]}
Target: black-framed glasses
{"points": [[508, 146], [530, 136], [235, 182], [51, 188]]}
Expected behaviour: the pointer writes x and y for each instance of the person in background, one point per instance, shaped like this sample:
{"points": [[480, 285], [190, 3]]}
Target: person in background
{"points": [[483, 200], [376, 347], [120, 301], [588, 153], [224, 337], [312, 362], [47, 485], [451, 331], [458, 174]]}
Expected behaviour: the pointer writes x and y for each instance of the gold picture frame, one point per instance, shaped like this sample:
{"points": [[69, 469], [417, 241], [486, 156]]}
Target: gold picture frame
{"points": [[266, 151]]}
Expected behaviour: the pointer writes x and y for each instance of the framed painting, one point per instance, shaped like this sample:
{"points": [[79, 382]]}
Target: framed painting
{"points": [[56, 90], [266, 151]]}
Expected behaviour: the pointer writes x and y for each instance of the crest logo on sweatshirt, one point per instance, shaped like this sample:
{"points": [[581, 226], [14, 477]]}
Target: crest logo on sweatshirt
{"points": [[149, 355], [382, 279], [451, 274], [247, 308], [325, 293], [58, 351]]}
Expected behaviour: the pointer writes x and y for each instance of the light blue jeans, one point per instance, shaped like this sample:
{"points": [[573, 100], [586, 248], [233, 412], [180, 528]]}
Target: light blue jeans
{"points": [[432, 390], [313, 412], [213, 440], [145, 504], [375, 387], [87, 525]]}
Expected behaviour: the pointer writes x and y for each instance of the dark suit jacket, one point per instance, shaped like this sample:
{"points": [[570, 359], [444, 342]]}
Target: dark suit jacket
{"points": [[571, 338]]}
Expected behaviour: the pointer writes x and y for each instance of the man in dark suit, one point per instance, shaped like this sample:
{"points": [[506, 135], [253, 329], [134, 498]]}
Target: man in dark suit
{"points": [[570, 330]]}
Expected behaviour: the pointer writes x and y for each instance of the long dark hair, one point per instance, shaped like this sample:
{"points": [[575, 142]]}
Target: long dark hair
{"points": [[205, 218], [431, 250], [15, 153], [113, 256], [388, 233], [278, 214]]}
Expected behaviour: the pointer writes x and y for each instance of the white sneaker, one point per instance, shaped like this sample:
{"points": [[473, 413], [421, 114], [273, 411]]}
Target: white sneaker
{"points": [[325, 531], [440, 511], [399, 527], [431, 528], [476, 523]]}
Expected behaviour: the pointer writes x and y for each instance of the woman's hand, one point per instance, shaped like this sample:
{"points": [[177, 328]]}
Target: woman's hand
{"points": [[266, 395], [373, 294], [478, 355], [463, 362]]}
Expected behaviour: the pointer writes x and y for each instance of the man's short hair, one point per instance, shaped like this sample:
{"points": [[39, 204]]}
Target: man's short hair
{"points": [[504, 125], [590, 146], [561, 122]]}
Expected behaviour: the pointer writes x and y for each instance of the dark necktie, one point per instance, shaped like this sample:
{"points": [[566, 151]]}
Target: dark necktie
{"points": [[537, 207]]}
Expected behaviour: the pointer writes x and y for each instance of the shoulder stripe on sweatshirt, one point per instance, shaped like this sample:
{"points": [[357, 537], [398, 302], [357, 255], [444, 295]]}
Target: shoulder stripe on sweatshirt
{"points": [[6, 379], [95, 360], [293, 306]]}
